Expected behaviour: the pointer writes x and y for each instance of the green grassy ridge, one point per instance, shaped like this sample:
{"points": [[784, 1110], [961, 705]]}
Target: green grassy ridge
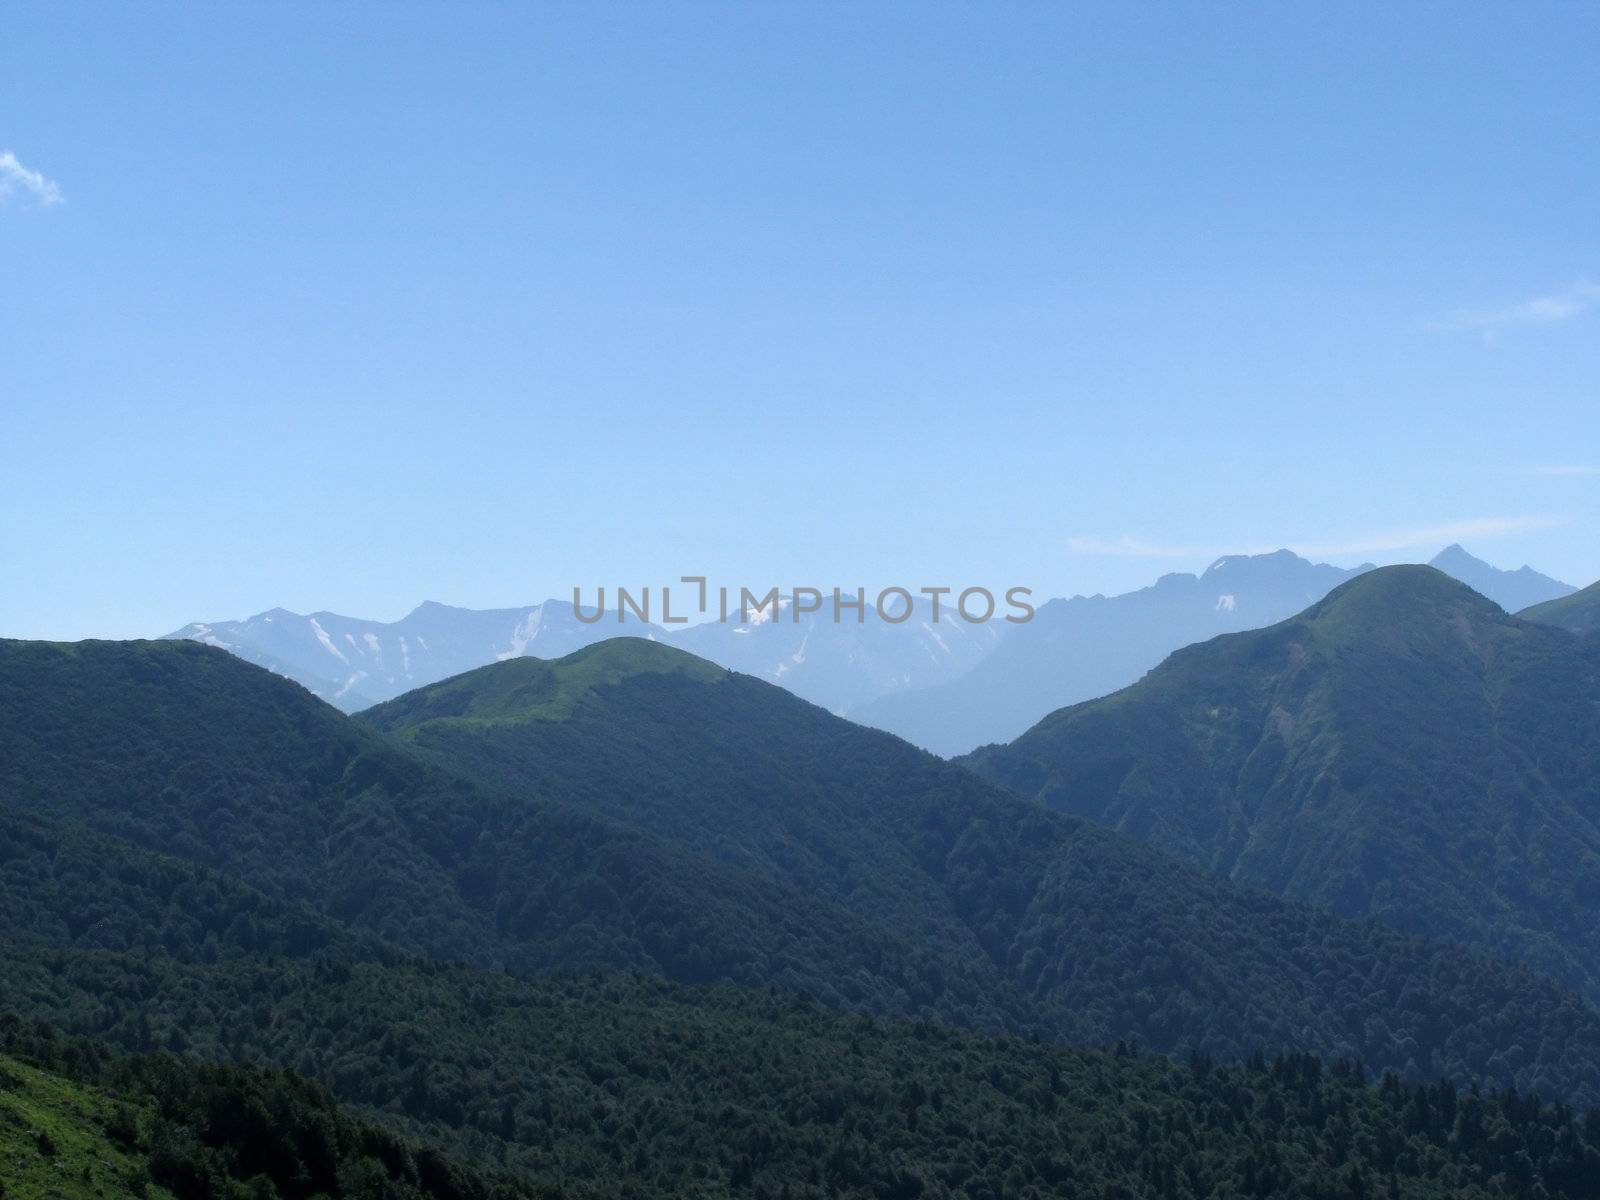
{"points": [[532, 689], [78, 1120], [55, 1140], [1578, 613], [1403, 750]]}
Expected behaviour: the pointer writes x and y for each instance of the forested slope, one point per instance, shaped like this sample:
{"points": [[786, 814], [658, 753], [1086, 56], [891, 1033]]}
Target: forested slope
{"points": [[1403, 750]]}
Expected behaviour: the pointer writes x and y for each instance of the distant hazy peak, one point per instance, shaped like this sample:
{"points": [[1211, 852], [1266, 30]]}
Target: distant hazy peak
{"points": [[1456, 554], [1511, 590], [1277, 557]]}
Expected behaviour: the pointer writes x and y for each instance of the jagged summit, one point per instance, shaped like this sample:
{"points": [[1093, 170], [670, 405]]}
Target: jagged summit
{"points": [[1511, 590], [1403, 749]]}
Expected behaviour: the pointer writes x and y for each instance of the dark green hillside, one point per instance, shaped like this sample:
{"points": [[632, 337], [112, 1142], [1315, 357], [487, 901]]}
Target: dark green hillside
{"points": [[1207, 967], [1081, 921], [1402, 750], [1578, 613], [711, 827], [626, 1084], [64, 886], [186, 749], [631, 1086], [182, 747]]}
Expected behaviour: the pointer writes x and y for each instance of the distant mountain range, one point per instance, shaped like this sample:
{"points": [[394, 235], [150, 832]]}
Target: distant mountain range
{"points": [[1403, 750], [845, 664], [354, 663], [1511, 590], [1089, 646], [946, 686]]}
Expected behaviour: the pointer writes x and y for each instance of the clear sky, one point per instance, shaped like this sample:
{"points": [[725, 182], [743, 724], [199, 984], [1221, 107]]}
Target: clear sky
{"points": [[349, 306]]}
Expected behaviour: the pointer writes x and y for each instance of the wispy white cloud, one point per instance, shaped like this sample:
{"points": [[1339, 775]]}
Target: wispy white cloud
{"points": [[17, 179], [1477, 529], [1569, 471], [1551, 308]]}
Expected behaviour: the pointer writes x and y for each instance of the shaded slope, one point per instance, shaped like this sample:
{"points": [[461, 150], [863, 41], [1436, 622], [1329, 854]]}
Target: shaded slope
{"points": [[548, 1076], [1078, 919], [1578, 613], [1403, 750], [185, 748], [706, 827], [1189, 965]]}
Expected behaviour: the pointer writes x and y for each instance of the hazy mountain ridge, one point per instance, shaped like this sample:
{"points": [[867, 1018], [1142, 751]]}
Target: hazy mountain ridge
{"points": [[352, 663], [1511, 590], [849, 662], [947, 685], [1403, 750], [1088, 646]]}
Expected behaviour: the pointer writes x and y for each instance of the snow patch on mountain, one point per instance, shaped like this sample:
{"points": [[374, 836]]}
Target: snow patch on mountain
{"points": [[327, 642]]}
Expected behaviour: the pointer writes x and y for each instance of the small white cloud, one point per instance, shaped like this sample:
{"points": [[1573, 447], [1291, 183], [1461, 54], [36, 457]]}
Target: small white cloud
{"points": [[1549, 309], [17, 179]]}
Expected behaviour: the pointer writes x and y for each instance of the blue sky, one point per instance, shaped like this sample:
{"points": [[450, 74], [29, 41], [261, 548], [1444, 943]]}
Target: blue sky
{"points": [[349, 306]]}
